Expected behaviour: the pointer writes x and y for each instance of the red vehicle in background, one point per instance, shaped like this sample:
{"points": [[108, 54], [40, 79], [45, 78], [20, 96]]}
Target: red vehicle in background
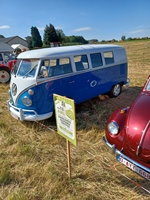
{"points": [[7, 61], [128, 133]]}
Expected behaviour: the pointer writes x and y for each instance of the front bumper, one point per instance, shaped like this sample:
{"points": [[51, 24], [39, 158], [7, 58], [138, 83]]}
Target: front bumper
{"points": [[28, 115], [127, 83], [128, 162]]}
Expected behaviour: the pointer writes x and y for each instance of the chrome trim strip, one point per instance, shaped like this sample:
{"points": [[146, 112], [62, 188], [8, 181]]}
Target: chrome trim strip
{"points": [[142, 137], [114, 150]]}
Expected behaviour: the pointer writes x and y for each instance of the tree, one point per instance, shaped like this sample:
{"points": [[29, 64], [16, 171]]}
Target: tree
{"points": [[1, 36], [29, 41], [17, 51], [36, 38], [129, 38], [60, 35], [123, 38], [50, 35], [81, 40], [76, 39], [93, 41]]}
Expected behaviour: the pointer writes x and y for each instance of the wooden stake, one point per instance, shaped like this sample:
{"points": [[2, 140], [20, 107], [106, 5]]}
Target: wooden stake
{"points": [[68, 156]]}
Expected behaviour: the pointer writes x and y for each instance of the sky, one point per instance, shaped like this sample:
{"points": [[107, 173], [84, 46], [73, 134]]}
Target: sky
{"points": [[92, 19]]}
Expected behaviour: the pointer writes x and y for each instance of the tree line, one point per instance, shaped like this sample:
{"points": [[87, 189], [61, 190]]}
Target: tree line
{"points": [[57, 36], [51, 35]]}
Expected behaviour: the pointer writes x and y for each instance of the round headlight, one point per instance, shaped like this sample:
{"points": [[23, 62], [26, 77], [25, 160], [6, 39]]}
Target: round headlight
{"points": [[113, 128], [26, 101], [14, 89]]}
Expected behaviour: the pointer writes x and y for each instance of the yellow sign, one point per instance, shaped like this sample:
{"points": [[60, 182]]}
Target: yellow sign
{"points": [[65, 117]]}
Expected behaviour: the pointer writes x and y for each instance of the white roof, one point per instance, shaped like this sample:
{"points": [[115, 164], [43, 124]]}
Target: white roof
{"points": [[5, 47], [20, 46], [66, 50]]}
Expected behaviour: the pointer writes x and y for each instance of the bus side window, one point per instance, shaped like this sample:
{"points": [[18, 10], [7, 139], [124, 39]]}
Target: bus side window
{"points": [[96, 60], [66, 65], [81, 62], [60, 66], [52, 65], [57, 70], [109, 58]]}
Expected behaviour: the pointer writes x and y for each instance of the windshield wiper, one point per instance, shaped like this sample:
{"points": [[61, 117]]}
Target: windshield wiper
{"points": [[30, 71]]}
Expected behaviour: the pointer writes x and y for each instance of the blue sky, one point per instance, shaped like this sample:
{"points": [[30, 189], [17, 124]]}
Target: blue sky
{"points": [[92, 19]]}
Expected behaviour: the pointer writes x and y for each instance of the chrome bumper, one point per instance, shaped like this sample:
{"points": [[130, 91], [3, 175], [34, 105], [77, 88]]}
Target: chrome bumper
{"points": [[28, 115], [119, 153], [128, 82]]}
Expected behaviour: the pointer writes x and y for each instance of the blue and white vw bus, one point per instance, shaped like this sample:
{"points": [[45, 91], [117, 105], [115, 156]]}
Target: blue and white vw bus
{"points": [[78, 72]]}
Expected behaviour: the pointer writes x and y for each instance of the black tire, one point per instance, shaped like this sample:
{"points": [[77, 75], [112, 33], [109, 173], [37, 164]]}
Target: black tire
{"points": [[4, 75], [115, 90]]}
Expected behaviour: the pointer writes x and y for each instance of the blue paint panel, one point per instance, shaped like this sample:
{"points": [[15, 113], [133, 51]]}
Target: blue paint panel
{"points": [[80, 87]]}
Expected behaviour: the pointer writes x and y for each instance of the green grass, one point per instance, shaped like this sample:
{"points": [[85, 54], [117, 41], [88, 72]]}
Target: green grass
{"points": [[33, 160]]}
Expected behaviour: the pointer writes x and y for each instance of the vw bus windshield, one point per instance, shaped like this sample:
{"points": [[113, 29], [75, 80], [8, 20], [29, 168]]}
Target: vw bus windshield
{"points": [[16, 66], [27, 67]]}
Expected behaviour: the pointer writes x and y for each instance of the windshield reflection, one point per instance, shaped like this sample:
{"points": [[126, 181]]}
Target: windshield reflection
{"points": [[148, 86], [15, 68], [9, 56], [26, 67]]}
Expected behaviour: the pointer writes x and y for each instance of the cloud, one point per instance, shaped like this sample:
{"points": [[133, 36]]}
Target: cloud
{"points": [[59, 27], [82, 29], [4, 27], [40, 28], [137, 31], [140, 30], [52, 18]]}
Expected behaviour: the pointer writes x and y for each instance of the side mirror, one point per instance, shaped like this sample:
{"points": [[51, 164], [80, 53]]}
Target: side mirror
{"points": [[43, 72]]}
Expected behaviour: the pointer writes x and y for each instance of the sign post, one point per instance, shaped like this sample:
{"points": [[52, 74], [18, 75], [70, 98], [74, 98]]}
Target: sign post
{"points": [[66, 122], [68, 156]]}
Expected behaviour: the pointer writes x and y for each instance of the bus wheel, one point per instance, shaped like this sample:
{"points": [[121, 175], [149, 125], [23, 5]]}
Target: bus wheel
{"points": [[115, 91], [4, 75]]}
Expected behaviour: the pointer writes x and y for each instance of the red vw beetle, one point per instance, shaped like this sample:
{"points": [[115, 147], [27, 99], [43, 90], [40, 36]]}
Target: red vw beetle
{"points": [[128, 133]]}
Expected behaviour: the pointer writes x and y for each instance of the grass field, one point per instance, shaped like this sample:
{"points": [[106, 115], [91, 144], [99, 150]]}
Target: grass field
{"points": [[33, 161]]}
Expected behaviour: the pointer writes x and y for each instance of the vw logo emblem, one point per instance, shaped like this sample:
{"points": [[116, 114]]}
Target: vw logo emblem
{"points": [[93, 83]]}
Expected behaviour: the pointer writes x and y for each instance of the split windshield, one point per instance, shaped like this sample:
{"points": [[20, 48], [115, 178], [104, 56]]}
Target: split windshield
{"points": [[26, 67]]}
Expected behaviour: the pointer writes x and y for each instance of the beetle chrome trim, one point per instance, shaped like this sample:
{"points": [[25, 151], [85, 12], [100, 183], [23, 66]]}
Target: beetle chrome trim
{"points": [[117, 152], [142, 137]]}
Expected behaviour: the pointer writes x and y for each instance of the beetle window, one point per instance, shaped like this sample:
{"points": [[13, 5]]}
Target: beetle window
{"points": [[96, 60], [109, 58], [148, 86], [81, 62]]}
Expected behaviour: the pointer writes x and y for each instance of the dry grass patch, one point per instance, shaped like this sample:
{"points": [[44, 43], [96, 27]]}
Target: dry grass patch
{"points": [[34, 161]]}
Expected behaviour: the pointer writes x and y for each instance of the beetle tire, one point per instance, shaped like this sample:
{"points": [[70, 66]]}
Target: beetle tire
{"points": [[4, 75], [115, 90]]}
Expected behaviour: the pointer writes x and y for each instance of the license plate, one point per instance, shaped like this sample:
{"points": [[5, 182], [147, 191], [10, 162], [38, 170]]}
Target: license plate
{"points": [[14, 116], [133, 167]]}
